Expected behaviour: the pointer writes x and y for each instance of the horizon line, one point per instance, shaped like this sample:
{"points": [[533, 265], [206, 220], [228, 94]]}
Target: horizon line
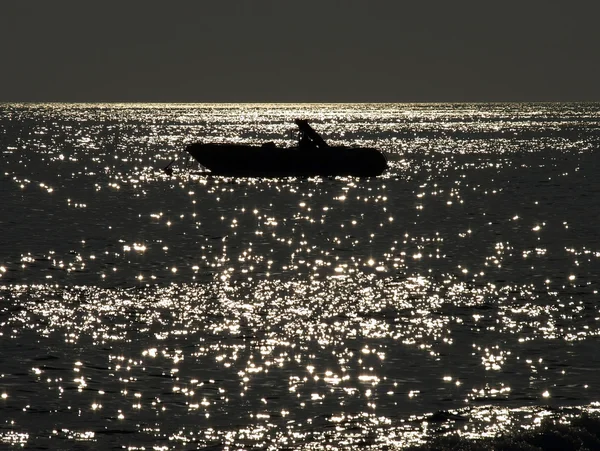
{"points": [[151, 102]]}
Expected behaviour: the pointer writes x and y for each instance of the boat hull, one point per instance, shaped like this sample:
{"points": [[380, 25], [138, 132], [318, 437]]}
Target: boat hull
{"points": [[238, 160]]}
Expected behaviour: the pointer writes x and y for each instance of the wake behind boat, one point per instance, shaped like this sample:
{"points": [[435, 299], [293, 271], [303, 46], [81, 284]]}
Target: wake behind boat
{"points": [[311, 157]]}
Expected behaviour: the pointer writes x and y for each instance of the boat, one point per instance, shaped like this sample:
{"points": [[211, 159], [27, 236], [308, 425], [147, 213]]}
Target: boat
{"points": [[312, 156]]}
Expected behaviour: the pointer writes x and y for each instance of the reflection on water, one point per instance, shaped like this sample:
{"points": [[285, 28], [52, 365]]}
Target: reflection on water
{"points": [[455, 294], [282, 362]]}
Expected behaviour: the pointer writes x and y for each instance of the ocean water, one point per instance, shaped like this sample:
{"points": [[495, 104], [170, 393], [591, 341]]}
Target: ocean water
{"points": [[456, 295]]}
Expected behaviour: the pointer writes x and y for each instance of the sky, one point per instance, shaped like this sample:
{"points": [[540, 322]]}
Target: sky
{"points": [[299, 51]]}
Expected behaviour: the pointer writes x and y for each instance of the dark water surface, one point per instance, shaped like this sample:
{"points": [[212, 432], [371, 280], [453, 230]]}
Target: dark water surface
{"points": [[458, 293]]}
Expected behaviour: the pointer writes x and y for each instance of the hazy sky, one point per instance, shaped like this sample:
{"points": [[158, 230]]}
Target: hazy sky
{"points": [[304, 51]]}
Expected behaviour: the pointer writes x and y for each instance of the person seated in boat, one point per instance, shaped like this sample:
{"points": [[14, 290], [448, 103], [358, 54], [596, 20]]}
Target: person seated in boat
{"points": [[308, 138]]}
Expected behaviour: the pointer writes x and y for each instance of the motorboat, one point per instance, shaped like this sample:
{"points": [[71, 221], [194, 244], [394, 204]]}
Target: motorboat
{"points": [[312, 156]]}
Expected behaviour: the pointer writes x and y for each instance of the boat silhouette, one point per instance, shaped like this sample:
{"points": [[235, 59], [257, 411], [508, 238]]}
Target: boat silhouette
{"points": [[311, 157]]}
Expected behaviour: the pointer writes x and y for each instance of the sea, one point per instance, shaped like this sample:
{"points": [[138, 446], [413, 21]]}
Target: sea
{"points": [[453, 298]]}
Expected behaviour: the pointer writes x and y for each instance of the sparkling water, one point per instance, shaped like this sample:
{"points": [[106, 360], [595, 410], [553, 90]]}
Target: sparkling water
{"points": [[455, 294]]}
